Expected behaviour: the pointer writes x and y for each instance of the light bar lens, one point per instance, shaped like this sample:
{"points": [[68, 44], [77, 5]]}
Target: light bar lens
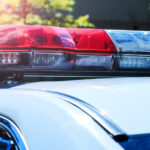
{"points": [[8, 58], [50, 60], [34, 36], [133, 62], [98, 61], [42, 47], [130, 41], [94, 40]]}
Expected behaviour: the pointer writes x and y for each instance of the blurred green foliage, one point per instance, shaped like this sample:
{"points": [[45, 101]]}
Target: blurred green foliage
{"points": [[41, 12]]}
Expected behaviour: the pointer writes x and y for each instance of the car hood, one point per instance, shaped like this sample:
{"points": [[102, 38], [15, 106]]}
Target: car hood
{"points": [[126, 101]]}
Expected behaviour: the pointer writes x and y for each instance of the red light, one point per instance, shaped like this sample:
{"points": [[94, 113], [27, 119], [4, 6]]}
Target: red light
{"points": [[89, 47], [13, 37], [41, 38], [55, 39], [45, 38], [92, 41], [94, 48]]}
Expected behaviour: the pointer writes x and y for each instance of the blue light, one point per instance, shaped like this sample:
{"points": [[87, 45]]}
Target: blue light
{"points": [[122, 37], [130, 41], [144, 36]]}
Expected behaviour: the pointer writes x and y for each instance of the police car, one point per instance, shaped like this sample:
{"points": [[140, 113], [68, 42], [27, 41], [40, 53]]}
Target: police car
{"points": [[95, 93]]}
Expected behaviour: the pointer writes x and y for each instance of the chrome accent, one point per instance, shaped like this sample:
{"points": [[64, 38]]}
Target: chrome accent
{"points": [[106, 123], [15, 132], [99, 117]]}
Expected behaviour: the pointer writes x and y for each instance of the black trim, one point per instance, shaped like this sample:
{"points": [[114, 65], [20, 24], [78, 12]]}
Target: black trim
{"points": [[121, 138], [72, 72]]}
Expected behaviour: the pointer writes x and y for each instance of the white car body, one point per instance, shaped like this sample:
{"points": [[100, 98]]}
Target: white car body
{"points": [[48, 121]]}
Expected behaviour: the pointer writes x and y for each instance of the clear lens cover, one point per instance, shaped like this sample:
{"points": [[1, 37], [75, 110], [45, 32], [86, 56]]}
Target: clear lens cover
{"points": [[96, 61], [134, 62], [50, 60]]}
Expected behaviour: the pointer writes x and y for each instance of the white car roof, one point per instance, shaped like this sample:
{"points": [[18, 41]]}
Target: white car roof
{"points": [[49, 122], [123, 100]]}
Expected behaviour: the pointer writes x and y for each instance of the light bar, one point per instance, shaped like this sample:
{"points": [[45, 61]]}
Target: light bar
{"points": [[53, 48]]}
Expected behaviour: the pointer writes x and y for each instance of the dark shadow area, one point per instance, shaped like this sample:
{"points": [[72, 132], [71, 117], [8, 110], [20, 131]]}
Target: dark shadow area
{"points": [[116, 14]]}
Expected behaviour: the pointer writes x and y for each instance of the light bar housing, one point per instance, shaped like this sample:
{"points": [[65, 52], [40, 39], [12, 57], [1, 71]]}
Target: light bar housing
{"points": [[69, 51]]}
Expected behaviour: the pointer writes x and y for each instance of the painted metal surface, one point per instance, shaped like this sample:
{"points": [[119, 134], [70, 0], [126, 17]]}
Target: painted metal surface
{"points": [[124, 100], [98, 116], [48, 122]]}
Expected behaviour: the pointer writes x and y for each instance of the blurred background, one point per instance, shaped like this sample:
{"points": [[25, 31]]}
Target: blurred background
{"points": [[116, 14], [109, 14]]}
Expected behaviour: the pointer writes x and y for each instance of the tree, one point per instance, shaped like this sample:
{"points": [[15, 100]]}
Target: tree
{"points": [[41, 12]]}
